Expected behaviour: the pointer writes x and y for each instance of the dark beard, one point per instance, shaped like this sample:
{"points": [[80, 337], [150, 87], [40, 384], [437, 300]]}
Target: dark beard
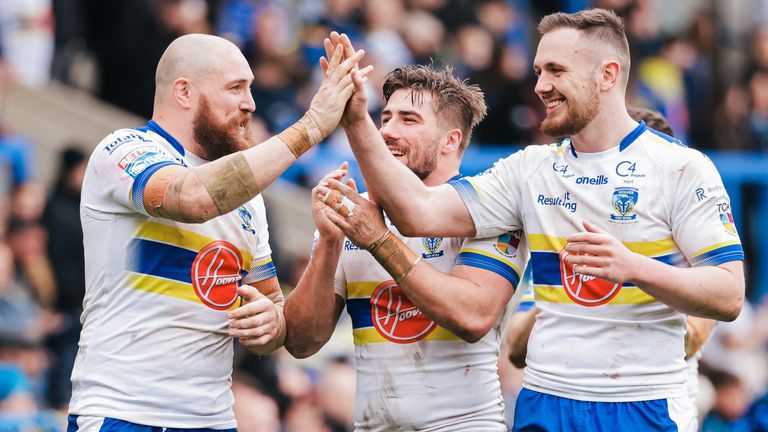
{"points": [[217, 140], [578, 118]]}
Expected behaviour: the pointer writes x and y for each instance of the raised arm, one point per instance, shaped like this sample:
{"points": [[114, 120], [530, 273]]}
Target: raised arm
{"points": [[199, 194], [313, 308]]}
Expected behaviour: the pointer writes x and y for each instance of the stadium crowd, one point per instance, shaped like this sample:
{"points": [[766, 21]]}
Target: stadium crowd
{"points": [[704, 65]]}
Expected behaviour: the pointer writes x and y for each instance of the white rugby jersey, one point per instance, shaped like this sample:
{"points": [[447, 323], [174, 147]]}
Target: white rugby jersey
{"points": [[594, 340], [413, 374], [154, 348]]}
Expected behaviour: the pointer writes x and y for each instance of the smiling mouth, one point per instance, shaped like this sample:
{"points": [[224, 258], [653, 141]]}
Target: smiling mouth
{"points": [[554, 103], [396, 151]]}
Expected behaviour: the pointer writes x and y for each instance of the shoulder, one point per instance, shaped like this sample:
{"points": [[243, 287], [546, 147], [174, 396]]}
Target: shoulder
{"points": [[120, 137]]}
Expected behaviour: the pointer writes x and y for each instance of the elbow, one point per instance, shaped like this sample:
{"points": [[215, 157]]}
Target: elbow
{"points": [[198, 207], [300, 352], [517, 359], [474, 330], [732, 311]]}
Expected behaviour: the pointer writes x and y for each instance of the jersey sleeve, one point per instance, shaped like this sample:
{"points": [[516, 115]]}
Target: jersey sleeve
{"points": [[505, 255], [492, 198], [339, 278], [702, 222], [262, 266], [121, 166]]}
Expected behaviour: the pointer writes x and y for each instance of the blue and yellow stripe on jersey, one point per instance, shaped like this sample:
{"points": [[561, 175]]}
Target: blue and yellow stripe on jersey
{"points": [[492, 262], [359, 309], [160, 259], [547, 282], [718, 253]]}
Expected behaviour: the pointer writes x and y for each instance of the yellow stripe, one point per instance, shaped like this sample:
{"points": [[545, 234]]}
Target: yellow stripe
{"points": [[545, 243], [715, 246], [361, 289], [182, 238], [262, 262], [369, 335], [166, 287], [556, 294], [492, 256]]}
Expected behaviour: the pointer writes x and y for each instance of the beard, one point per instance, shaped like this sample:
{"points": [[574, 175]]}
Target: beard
{"points": [[579, 115], [220, 139], [425, 163]]}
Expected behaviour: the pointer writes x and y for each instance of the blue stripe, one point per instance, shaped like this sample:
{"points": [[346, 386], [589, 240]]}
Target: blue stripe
{"points": [[719, 256], [264, 271], [72, 424], [465, 189], [359, 310], [476, 260], [159, 259], [154, 127], [629, 139], [137, 191], [546, 268], [525, 306]]}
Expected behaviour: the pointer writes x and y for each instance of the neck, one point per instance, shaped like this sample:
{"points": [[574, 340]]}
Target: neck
{"points": [[445, 171], [605, 131], [180, 128]]}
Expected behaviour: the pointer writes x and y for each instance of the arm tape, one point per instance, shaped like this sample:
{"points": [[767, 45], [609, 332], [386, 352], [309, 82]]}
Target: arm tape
{"points": [[302, 135], [229, 181], [395, 256]]}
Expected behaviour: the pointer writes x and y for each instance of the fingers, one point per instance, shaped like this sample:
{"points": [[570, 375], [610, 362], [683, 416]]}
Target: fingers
{"points": [[341, 187], [593, 228], [336, 59], [249, 294], [352, 184], [585, 260], [585, 248]]}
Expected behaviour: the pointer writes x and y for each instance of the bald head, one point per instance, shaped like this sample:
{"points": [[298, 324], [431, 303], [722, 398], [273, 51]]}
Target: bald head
{"points": [[196, 57]]}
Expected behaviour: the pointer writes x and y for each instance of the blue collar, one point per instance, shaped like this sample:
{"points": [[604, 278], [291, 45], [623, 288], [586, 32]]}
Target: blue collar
{"points": [[154, 127], [629, 139]]}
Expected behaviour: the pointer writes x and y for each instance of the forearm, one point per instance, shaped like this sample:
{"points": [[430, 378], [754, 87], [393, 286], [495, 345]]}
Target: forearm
{"points": [[518, 334], [707, 292], [697, 333], [311, 308], [218, 187], [395, 187]]}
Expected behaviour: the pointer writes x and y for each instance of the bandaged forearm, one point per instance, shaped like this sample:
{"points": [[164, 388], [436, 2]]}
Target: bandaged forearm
{"points": [[302, 135], [229, 183], [394, 255]]}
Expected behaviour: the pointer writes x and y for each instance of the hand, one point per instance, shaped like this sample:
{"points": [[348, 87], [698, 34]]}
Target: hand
{"points": [[365, 224], [598, 253], [357, 106], [327, 229], [256, 322], [329, 102]]}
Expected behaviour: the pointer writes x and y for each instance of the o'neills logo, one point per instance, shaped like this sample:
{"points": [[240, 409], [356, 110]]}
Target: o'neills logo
{"points": [[585, 290], [216, 274], [395, 317]]}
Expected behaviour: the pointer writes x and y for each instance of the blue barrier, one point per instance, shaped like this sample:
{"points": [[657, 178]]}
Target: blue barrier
{"points": [[745, 176]]}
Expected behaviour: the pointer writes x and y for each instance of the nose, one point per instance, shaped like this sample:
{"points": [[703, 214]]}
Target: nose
{"points": [[389, 131], [543, 84], [248, 104]]}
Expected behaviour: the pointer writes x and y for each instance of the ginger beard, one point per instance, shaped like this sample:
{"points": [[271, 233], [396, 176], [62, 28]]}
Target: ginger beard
{"points": [[580, 114], [220, 139]]}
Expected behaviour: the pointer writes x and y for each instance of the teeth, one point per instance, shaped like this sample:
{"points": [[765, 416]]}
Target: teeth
{"points": [[554, 103], [396, 152]]}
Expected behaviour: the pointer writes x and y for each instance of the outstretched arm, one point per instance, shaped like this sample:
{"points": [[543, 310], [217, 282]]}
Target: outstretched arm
{"points": [[313, 308], [715, 292], [199, 194], [467, 302]]}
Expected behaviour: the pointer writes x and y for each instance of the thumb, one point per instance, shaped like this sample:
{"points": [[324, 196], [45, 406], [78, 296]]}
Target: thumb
{"points": [[249, 293], [592, 228]]}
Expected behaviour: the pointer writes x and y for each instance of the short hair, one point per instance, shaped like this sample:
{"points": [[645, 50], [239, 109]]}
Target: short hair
{"points": [[454, 99], [653, 119], [601, 25]]}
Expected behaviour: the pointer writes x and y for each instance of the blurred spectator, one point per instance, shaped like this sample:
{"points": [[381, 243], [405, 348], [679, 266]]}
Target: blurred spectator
{"points": [[758, 118], [61, 220], [254, 411], [732, 400], [19, 410], [26, 33]]}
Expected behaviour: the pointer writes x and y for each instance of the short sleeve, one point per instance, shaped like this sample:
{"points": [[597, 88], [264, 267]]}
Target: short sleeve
{"points": [[702, 222], [492, 198], [505, 255], [121, 167]]}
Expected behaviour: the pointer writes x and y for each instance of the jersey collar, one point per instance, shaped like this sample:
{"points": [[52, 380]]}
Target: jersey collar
{"points": [[154, 127], [629, 139]]}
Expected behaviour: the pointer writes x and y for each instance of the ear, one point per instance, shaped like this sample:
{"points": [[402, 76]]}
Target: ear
{"points": [[182, 92], [452, 142], [610, 75]]}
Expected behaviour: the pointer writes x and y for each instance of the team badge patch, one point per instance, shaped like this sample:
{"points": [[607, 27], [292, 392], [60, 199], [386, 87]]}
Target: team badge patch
{"points": [[395, 317], [585, 290], [507, 244], [247, 219], [216, 273], [623, 201], [432, 244]]}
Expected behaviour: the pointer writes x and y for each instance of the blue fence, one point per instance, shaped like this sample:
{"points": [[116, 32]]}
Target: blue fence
{"points": [[745, 176]]}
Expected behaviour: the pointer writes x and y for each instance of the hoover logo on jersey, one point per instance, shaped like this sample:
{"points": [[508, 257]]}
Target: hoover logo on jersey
{"points": [[395, 317], [216, 274], [432, 244], [508, 243], [623, 201], [585, 290]]}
